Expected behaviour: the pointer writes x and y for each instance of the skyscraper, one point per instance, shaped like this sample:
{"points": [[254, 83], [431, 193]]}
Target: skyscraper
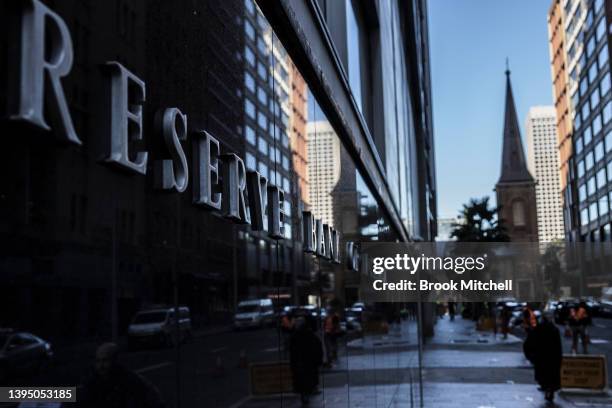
{"points": [[543, 163], [516, 187], [586, 200], [323, 149]]}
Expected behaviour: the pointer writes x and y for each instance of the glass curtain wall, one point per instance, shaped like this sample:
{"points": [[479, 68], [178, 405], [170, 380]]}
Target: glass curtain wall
{"points": [[119, 283]]}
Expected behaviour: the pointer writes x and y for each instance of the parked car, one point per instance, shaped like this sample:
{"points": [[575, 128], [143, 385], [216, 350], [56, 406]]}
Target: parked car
{"points": [[254, 313], [22, 354], [352, 319], [158, 327]]}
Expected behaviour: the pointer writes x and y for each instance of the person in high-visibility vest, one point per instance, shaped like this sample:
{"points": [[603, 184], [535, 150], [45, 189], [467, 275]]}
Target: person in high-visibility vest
{"points": [[578, 321], [530, 321]]}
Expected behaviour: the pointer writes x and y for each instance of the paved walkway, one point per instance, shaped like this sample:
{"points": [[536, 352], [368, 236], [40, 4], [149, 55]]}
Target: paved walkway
{"points": [[462, 368]]}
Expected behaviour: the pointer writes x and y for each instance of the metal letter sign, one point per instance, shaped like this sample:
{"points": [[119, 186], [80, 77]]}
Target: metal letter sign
{"points": [[126, 118], [172, 174], [257, 187], [243, 197], [37, 42], [206, 171], [234, 184]]}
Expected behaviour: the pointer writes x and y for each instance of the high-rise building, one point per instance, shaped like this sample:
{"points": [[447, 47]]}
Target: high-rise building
{"points": [[584, 49], [516, 187], [543, 164], [558, 56], [324, 170]]}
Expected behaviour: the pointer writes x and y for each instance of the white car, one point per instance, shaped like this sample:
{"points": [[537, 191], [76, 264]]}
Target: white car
{"points": [[158, 326], [254, 313]]}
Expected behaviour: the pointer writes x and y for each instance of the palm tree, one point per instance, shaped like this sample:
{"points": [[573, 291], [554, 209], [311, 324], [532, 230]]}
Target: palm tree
{"points": [[479, 223]]}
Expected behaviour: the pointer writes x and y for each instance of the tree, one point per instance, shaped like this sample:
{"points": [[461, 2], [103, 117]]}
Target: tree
{"points": [[480, 223]]}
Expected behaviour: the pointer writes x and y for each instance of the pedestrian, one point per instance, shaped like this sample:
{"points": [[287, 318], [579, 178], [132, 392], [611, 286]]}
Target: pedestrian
{"points": [[305, 356], [331, 333], [543, 349], [451, 310], [113, 385], [530, 320], [505, 316], [578, 321]]}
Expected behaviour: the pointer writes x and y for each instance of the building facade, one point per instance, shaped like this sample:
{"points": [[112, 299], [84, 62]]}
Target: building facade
{"points": [[515, 189], [159, 157], [543, 164]]}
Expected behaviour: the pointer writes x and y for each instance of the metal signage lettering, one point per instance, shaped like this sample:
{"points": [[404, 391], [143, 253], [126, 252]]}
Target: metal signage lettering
{"points": [[220, 181]]}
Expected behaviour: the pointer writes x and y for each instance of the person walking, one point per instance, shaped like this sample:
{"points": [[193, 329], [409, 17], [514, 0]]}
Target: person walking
{"points": [[113, 385], [451, 310], [305, 358], [530, 320], [332, 331], [579, 320], [505, 316], [543, 349]]}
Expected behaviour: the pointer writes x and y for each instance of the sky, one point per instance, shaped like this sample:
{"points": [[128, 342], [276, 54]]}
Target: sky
{"points": [[469, 43]]}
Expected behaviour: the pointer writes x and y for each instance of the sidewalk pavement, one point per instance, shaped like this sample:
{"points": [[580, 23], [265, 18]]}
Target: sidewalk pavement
{"points": [[460, 370]]}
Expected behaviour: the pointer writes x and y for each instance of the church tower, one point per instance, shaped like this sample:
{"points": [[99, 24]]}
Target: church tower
{"points": [[516, 187]]}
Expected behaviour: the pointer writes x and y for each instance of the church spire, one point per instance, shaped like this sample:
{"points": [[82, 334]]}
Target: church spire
{"points": [[514, 165]]}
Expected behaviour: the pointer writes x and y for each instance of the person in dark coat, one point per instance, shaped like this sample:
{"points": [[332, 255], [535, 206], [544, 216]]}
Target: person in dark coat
{"points": [[113, 385], [544, 350], [306, 356]]}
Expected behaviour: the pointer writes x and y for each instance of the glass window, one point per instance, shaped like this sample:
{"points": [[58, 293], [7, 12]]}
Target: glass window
{"points": [[608, 141], [249, 108], [581, 168], [582, 193], [249, 82], [261, 46], [262, 120], [249, 134], [595, 98], [353, 51], [601, 29], [605, 84], [250, 6], [601, 178], [592, 72], [584, 217], [577, 121], [585, 111], [262, 95], [249, 30], [262, 71], [250, 161], [263, 169], [262, 145], [584, 84], [610, 169], [579, 144], [596, 124], [607, 112], [604, 205], [591, 186], [589, 161], [593, 212], [587, 135], [599, 151], [598, 4], [590, 46], [286, 186], [285, 162], [249, 55], [602, 57]]}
